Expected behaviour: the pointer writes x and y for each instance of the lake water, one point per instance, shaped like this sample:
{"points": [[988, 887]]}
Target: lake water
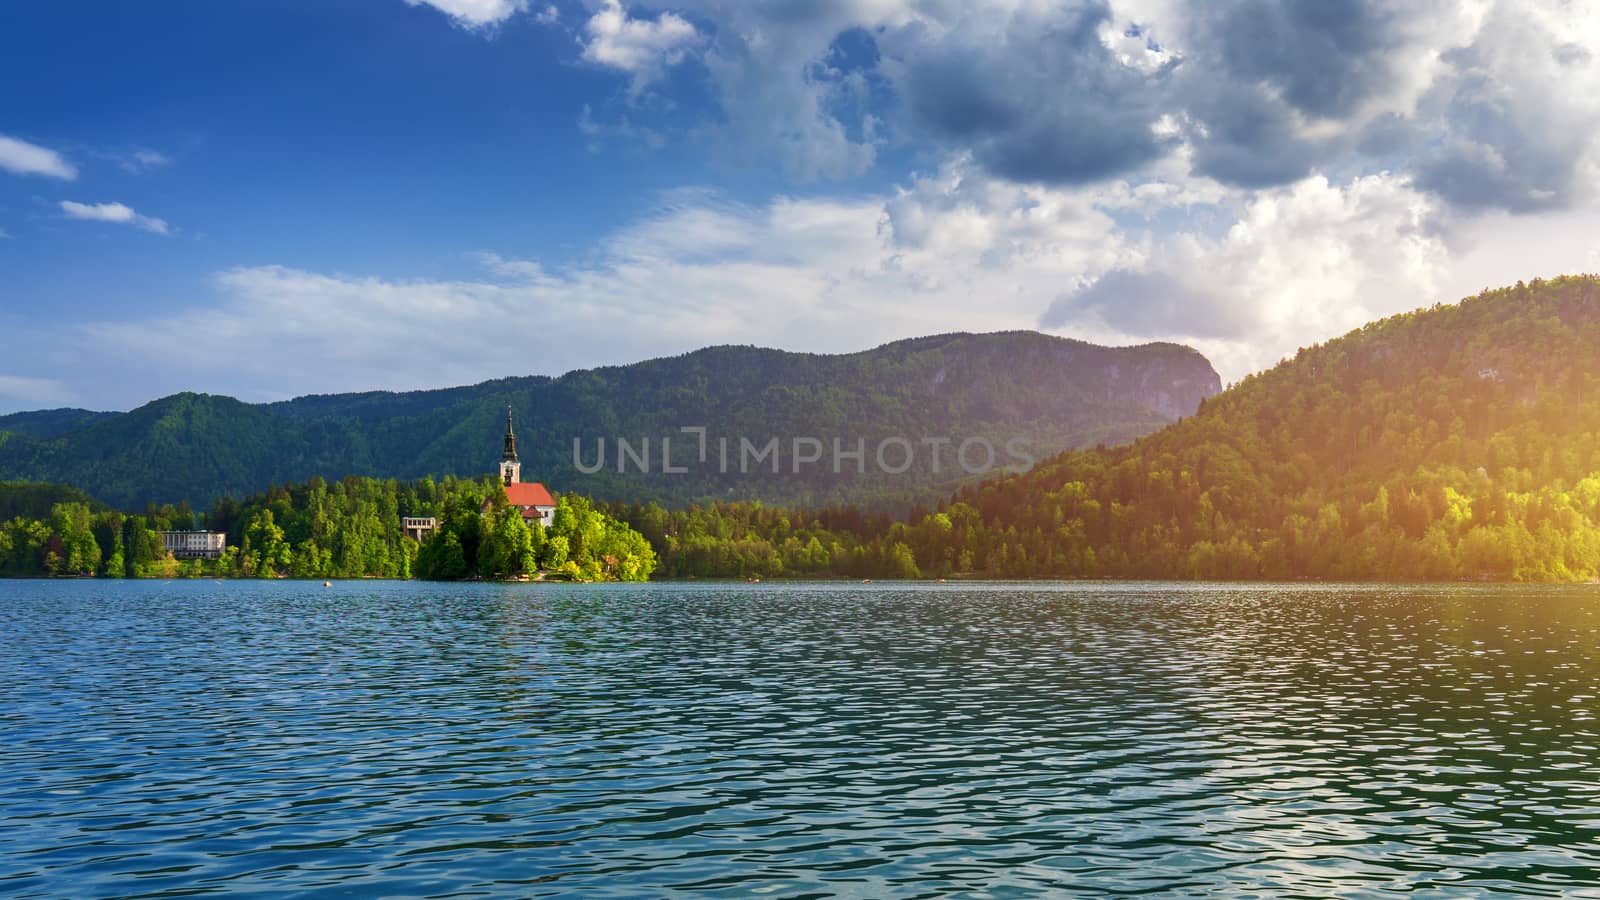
{"points": [[390, 739]]}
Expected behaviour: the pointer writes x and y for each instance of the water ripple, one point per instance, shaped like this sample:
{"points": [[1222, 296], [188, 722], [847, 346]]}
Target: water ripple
{"points": [[981, 740]]}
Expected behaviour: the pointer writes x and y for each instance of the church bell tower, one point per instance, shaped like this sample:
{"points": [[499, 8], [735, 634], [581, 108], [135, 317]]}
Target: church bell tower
{"points": [[510, 466]]}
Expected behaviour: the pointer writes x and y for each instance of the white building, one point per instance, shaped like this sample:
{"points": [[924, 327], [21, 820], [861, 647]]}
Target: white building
{"points": [[194, 544]]}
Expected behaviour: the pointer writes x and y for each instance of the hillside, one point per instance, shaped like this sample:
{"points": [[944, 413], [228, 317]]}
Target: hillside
{"points": [[1461, 441], [49, 423], [1050, 392]]}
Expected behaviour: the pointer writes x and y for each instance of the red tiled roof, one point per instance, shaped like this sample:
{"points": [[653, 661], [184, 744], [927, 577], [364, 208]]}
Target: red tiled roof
{"points": [[529, 493]]}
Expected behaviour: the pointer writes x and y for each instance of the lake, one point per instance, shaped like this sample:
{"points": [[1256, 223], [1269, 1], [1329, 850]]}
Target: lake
{"points": [[884, 740]]}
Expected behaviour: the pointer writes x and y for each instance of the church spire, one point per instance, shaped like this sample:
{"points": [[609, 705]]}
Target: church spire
{"points": [[510, 454], [510, 465]]}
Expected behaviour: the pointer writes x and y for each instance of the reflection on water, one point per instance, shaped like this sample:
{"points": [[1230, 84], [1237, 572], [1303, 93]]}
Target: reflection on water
{"points": [[883, 740]]}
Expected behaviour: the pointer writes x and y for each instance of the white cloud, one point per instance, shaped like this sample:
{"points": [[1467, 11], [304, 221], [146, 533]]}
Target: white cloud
{"points": [[779, 93], [1516, 112], [475, 13], [118, 213], [1298, 265], [22, 158], [1486, 103], [24, 392], [825, 275], [1245, 276], [696, 273], [643, 48], [1377, 140]]}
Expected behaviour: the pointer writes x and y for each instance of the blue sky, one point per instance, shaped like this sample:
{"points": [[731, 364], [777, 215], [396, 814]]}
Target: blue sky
{"points": [[272, 199]]}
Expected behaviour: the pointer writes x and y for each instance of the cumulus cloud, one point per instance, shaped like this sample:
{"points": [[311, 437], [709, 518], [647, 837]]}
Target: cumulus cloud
{"points": [[1519, 109], [693, 273], [1324, 59], [475, 13], [1297, 265], [1247, 176], [963, 225], [1147, 303], [1036, 92], [957, 249], [1488, 104], [789, 110], [786, 90], [1266, 92], [812, 274], [22, 158], [643, 48], [118, 213]]}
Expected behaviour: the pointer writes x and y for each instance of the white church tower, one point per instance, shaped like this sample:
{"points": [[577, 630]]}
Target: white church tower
{"points": [[510, 466]]}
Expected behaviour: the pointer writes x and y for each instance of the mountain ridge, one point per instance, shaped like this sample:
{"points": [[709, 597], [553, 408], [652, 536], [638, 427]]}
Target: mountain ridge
{"points": [[1457, 441], [49, 423], [1055, 392]]}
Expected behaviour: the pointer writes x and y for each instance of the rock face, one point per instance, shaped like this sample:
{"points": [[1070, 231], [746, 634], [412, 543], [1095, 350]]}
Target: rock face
{"points": [[1047, 393], [1075, 382], [1173, 388]]}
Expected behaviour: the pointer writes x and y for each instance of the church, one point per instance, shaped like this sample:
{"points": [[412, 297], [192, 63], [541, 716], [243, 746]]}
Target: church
{"points": [[531, 498]]}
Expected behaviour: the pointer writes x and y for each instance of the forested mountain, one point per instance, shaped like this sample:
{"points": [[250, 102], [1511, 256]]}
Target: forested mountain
{"points": [[49, 423], [1461, 441], [1048, 392]]}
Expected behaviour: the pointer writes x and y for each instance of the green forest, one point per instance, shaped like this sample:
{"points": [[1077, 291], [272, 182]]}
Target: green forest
{"points": [[1461, 441], [1457, 442], [749, 540], [1051, 392], [344, 529]]}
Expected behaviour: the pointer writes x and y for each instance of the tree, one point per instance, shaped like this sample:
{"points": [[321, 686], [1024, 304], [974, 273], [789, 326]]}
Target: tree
{"points": [[901, 563], [507, 547], [447, 562], [272, 554], [75, 546], [554, 553]]}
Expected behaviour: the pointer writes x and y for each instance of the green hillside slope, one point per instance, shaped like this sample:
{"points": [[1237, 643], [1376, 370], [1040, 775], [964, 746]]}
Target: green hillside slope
{"points": [[1461, 441], [1049, 392]]}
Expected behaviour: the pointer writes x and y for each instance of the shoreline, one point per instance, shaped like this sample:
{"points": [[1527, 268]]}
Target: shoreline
{"points": [[779, 580]]}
